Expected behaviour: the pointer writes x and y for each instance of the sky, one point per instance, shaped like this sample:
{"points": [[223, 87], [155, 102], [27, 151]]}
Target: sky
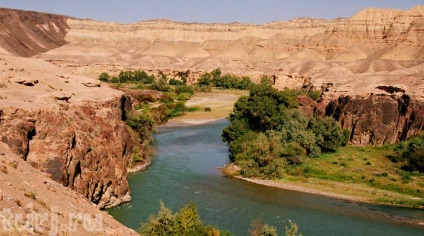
{"points": [[205, 11]]}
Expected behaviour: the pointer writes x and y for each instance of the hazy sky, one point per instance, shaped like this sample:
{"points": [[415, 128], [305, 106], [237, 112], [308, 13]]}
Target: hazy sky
{"points": [[226, 11]]}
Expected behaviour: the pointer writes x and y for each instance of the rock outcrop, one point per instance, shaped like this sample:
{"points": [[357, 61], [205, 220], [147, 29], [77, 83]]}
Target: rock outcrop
{"points": [[33, 204], [378, 119], [74, 133], [85, 147]]}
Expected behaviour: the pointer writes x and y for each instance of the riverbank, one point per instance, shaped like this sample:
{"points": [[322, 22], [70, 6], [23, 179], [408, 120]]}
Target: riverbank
{"points": [[219, 101], [346, 190]]}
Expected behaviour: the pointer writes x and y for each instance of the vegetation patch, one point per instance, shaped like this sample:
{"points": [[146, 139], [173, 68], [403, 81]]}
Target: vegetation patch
{"points": [[267, 134]]}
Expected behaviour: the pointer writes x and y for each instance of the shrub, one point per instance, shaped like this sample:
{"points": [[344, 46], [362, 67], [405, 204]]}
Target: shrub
{"points": [[184, 89], [184, 96], [208, 109], [104, 77], [314, 94], [180, 106], [114, 80], [142, 124], [174, 81], [184, 222], [411, 153]]}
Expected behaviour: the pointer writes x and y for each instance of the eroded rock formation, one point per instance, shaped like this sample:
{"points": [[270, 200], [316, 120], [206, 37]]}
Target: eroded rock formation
{"points": [[75, 133], [372, 40], [378, 119], [85, 147], [372, 119]]}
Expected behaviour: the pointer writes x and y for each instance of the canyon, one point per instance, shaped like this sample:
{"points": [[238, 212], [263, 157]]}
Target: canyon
{"points": [[56, 116]]}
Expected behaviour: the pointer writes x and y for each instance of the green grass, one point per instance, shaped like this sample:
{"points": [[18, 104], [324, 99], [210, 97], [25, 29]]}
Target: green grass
{"points": [[194, 108], [349, 166]]}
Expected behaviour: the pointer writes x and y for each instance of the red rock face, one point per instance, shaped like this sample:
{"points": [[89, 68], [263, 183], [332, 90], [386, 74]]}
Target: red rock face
{"points": [[378, 119], [86, 147]]}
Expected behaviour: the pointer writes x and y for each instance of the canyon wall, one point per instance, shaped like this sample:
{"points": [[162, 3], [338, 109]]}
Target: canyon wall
{"points": [[68, 126], [378, 119], [372, 40], [85, 147]]}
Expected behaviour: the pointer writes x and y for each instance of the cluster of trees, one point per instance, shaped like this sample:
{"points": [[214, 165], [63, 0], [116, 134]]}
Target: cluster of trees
{"points": [[136, 76], [411, 154], [184, 222], [227, 81], [267, 133], [187, 221], [207, 80]]}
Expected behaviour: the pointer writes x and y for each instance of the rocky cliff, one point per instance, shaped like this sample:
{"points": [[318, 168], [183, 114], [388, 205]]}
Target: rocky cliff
{"points": [[33, 204], [378, 119], [68, 126]]}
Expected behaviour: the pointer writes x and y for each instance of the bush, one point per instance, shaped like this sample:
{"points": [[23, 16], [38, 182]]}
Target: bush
{"points": [[184, 96], [208, 109], [184, 89], [175, 82], [184, 222], [114, 80], [104, 77], [411, 153], [180, 106], [142, 124]]}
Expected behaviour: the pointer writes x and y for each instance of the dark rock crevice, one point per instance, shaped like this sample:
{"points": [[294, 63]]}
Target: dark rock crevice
{"points": [[375, 118]]}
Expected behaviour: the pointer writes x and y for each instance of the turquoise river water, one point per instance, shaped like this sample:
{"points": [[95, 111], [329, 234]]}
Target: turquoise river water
{"points": [[184, 169]]}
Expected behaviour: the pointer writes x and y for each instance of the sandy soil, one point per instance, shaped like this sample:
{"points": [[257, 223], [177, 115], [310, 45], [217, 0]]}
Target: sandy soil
{"points": [[221, 103]]}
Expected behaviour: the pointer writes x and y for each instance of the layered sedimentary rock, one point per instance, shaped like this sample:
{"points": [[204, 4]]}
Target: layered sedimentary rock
{"points": [[67, 128], [377, 38]]}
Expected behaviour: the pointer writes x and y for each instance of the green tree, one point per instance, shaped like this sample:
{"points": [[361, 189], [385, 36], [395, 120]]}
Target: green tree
{"points": [[205, 80], [162, 224], [292, 230], [266, 132], [329, 135], [411, 153], [104, 76], [184, 222]]}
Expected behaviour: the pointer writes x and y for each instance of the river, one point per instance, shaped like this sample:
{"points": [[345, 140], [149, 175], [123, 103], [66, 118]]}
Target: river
{"points": [[184, 169]]}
